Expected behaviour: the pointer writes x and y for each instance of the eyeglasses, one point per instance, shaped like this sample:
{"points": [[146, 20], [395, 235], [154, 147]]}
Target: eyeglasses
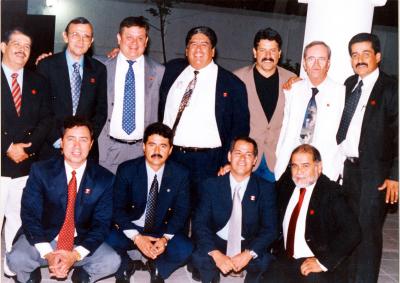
{"points": [[78, 36], [321, 60]]}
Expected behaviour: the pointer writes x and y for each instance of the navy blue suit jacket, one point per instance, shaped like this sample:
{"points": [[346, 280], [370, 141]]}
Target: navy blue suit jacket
{"points": [[44, 203], [130, 196], [259, 214], [231, 110]]}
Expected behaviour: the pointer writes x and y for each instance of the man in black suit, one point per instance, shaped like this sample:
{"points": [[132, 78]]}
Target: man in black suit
{"points": [[368, 139], [78, 85], [25, 120], [318, 228], [151, 207]]}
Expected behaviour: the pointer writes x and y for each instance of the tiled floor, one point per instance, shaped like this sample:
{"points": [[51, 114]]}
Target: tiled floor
{"points": [[389, 268]]}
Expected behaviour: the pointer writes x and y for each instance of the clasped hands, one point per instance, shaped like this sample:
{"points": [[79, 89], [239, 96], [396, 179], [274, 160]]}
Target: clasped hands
{"points": [[60, 262], [151, 247], [227, 264], [17, 153]]}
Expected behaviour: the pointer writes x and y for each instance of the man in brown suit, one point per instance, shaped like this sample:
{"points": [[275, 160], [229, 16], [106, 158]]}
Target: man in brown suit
{"points": [[264, 80]]}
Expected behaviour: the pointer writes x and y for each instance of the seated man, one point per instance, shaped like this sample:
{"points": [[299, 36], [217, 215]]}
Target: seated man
{"points": [[235, 221], [66, 213], [318, 228], [151, 207]]}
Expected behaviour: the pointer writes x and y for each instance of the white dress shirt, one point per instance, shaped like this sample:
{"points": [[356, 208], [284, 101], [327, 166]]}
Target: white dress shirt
{"points": [[122, 66], [197, 126], [8, 72]]}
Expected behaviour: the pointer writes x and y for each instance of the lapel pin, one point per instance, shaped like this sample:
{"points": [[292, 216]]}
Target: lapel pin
{"points": [[168, 190], [151, 78], [252, 198], [92, 80], [373, 102], [312, 212], [87, 191], [327, 105], [225, 94], [34, 91]]}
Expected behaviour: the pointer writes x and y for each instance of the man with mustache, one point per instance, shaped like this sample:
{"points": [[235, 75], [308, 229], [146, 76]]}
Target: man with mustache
{"points": [[313, 108], [25, 123], [151, 207], [266, 99], [368, 139]]}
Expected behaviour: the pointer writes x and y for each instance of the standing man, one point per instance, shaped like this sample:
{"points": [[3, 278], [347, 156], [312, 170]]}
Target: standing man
{"points": [[204, 104], [235, 221], [133, 93], [318, 228], [25, 121], [266, 99], [77, 83], [66, 214], [151, 207], [312, 113], [368, 138]]}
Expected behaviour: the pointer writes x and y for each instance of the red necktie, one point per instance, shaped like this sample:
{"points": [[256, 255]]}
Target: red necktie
{"points": [[292, 224], [66, 236], [16, 93]]}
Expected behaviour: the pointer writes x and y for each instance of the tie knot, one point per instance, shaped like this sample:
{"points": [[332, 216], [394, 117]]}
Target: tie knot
{"points": [[130, 62], [196, 73], [360, 84], [236, 189], [314, 91], [76, 67], [14, 76], [302, 191], [73, 173]]}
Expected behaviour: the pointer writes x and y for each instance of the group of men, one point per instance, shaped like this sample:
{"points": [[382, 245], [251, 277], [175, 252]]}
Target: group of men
{"points": [[80, 117]]}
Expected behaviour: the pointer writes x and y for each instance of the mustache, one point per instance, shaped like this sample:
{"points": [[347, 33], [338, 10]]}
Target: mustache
{"points": [[156, 155], [362, 64], [266, 59]]}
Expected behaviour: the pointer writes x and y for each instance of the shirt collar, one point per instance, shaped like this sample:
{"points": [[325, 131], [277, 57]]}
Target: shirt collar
{"points": [[8, 72], [370, 79], [152, 172], [243, 184], [79, 171], [71, 61], [205, 69], [122, 58]]}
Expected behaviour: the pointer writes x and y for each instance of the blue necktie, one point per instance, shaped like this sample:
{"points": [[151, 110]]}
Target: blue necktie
{"points": [[310, 118], [76, 83], [128, 111]]}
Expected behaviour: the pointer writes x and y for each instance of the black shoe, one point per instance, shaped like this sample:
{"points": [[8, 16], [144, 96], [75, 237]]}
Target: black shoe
{"points": [[195, 274], [124, 275], [154, 275], [35, 277], [80, 275], [216, 279]]}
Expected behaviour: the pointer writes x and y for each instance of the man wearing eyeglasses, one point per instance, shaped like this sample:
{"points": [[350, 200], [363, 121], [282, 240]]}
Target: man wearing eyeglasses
{"points": [[78, 85], [313, 108]]}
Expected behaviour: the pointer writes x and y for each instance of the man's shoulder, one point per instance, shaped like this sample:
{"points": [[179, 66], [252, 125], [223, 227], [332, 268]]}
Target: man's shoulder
{"points": [[99, 170], [51, 60], [227, 76], [261, 183], [244, 71], [131, 165], [177, 168], [285, 74], [94, 63], [153, 63]]}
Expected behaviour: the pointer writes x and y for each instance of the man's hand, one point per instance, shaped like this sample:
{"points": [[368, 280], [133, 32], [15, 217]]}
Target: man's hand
{"points": [[392, 190], [113, 53], [224, 169], [68, 258], [310, 265], [223, 262], [17, 153], [160, 246], [55, 265], [288, 84], [145, 245], [241, 260], [42, 56]]}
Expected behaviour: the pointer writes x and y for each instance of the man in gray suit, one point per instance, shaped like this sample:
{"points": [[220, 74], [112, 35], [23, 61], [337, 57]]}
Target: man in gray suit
{"points": [[133, 82]]}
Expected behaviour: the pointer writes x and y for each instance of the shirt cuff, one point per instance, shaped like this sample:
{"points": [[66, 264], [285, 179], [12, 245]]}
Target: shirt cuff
{"points": [[43, 248], [57, 143], [324, 269], [169, 236], [253, 254], [131, 234], [81, 251]]}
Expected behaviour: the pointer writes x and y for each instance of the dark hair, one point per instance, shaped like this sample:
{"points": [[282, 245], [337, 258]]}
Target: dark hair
{"points": [[76, 121], [134, 22], [267, 33], [245, 139], [7, 34], [314, 43], [78, 20], [306, 148], [158, 128], [207, 31], [370, 37]]}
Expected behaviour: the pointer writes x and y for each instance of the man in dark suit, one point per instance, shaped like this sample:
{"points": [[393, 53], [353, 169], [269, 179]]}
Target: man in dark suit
{"points": [[214, 113], [235, 221], [25, 120], [368, 139], [151, 207], [66, 214], [78, 85], [318, 228]]}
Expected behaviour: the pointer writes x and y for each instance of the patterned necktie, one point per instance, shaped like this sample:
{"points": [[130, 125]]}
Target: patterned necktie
{"points": [[66, 235], [348, 112], [151, 206], [185, 100], [235, 226], [129, 106], [16, 93], [310, 117], [76, 83], [292, 224]]}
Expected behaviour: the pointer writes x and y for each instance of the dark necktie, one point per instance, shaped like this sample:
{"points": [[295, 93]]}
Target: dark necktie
{"points": [[235, 226], [185, 100], [151, 206], [129, 106], [16, 93], [66, 235], [76, 83], [348, 113], [292, 224], [310, 118]]}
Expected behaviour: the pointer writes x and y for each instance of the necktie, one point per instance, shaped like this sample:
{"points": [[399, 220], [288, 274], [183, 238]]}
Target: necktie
{"points": [[235, 226], [310, 117], [16, 93], [76, 83], [66, 235], [129, 107], [151, 206], [292, 224], [185, 100], [348, 112]]}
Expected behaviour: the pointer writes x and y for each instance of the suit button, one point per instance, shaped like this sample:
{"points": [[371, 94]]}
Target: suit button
{"points": [[112, 103], [29, 133], [5, 133], [109, 120], [133, 206], [308, 240], [166, 222], [169, 209]]}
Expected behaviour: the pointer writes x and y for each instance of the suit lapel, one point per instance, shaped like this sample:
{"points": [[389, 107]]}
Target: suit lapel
{"points": [[219, 100], [165, 193], [60, 183], [140, 188], [225, 198], [86, 189], [87, 81], [7, 102], [250, 197], [64, 86], [111, 69], [149, 77]]}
